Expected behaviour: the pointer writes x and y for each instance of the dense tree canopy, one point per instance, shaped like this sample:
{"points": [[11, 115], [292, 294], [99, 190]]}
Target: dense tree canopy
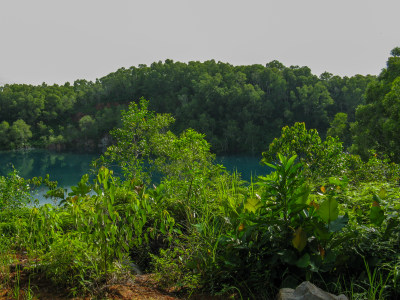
{"points": [[378, 120], [238, 108]]}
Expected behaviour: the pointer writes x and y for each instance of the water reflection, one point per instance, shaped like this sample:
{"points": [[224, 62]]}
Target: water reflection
{"points": [[68, 168]]}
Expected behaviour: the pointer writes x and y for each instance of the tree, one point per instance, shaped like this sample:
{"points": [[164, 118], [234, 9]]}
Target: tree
{"points": [[395, 52], [340, 128], [136, 140], [377, 122], [4, 134], [218, 99], [88, 126], [20, 134], [320, 158]]}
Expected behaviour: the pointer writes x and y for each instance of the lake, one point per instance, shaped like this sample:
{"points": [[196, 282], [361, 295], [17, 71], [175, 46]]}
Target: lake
{"points": [[68, 167]]}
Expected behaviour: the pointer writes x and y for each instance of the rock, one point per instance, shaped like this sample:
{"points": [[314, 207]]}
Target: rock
{"points": [[307, 291], [285, 293]]}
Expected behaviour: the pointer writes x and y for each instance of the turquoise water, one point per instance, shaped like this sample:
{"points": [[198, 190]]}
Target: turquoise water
{"points": [[67, 168], [247, 166]]}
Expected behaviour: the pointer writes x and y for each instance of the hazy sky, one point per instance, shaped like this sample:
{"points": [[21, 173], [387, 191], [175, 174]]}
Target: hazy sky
{"points": [[55, 41]]}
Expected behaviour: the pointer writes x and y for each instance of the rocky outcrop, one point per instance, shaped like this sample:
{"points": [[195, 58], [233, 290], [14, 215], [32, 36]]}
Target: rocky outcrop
{"points": [[307, 291]]}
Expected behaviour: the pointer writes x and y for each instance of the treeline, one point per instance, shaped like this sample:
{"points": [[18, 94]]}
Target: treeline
{"points": [[377, 125], [240, 109]]}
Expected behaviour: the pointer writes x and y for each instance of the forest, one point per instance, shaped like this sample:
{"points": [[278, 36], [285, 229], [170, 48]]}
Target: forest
{"points": [[326, 210], [240, 109]]}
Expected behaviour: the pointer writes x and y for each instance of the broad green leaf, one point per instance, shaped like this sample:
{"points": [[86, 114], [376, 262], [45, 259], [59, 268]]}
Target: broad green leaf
{"points": [[252, 204], [270, 165], [302, 194], [328, 210], [338, 181], [300, 239], [339, 223], [303, 261], [321, 231], [290, 162], [282, 159], [288, 256], [376, 215], [382, 193], [391, 224]]}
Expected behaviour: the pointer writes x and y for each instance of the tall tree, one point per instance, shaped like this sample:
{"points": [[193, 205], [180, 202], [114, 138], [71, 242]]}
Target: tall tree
{"points": [[20, 134], [377, 122]]}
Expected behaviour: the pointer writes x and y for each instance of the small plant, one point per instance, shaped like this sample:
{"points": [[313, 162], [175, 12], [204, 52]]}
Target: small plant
{"points": [[376, 287], [28, 293], [70, 262], [16, 284], [377, 283], [171, 268]]}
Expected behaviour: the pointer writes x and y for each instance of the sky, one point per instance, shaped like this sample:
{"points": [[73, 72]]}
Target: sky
{"points": [[56, 41]]}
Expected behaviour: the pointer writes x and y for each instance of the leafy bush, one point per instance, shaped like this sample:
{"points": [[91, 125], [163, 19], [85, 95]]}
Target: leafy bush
{"points": [[14, 191], [171, 268], [320, 158], [71, 262]]}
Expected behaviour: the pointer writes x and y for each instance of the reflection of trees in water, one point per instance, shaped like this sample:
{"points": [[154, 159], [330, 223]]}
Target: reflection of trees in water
{"points": [[23, 163], [27, 166], [68, 168]]}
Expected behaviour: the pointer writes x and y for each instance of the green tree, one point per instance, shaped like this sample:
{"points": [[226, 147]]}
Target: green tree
{"points": [[340, 128], [136, 140], [377, 122], [88, 126], [320, 158], [4, 134], [20, 134], [223, 101]]}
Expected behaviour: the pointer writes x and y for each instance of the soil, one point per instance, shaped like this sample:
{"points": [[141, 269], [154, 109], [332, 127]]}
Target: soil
{"points": [[142, 287]]}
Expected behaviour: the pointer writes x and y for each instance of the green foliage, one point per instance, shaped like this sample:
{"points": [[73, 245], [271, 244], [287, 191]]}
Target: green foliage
{"points": [[171, 268], [71, 262], [377, 121], [137, 139], [321, 213], [320, 158], [19, 134], [80, 241], [4, 134], [186, 164], [328, 210], [88, 126], [239, 108], [115, 219], [286, 188], [288, 238], [340, 128], [376, 214], [14, 191]]}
